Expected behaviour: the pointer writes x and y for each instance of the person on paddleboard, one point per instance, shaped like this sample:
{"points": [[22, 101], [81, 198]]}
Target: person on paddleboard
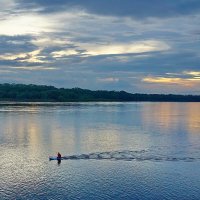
{"points": [[59, 156]]}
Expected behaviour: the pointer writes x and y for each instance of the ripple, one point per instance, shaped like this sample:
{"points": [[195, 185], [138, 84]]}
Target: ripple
{"points": [[142, 155]]}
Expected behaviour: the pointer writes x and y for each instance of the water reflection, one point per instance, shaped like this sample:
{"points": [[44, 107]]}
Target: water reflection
{"points": [[95, 128], [59, 162], [172, 117], [151, 130], [193, 119]]}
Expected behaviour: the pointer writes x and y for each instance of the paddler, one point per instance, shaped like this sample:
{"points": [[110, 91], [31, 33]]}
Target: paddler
{"points": [[59, 156]]}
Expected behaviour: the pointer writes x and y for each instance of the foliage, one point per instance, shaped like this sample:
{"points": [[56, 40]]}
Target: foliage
{"points": [[43, 93]]}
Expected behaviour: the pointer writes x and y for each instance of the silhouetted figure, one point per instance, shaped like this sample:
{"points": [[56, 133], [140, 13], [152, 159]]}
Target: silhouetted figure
{"points": [[59, 156]]}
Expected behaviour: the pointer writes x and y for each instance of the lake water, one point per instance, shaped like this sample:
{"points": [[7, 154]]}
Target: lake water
{"points": [[113, 151]]}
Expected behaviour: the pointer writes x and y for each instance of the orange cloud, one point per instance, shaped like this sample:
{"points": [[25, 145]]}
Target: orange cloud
{"points": [[189, 82]]}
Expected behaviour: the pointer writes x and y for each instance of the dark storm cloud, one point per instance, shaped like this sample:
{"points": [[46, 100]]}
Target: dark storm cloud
{"points": [[133, 8]]}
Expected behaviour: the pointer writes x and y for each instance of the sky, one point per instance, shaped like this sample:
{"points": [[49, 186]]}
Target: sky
{"points": [[146, 46]]}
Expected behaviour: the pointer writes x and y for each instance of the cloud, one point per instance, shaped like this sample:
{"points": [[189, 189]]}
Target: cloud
{"points": [[192, 73], [89, 49], [16, 44], [5, 4], [35, 68], [123, 48], [132, 8], [137, 46], [31, 57], [108, 79], [186, 78], [59, 54], [24, 24]]}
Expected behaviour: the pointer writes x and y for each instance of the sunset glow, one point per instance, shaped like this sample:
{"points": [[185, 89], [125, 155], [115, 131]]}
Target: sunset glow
{"points": [[154, 46]]}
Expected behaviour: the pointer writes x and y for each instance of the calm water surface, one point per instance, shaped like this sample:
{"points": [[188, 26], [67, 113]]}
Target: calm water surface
{"points": [[115, 151]]}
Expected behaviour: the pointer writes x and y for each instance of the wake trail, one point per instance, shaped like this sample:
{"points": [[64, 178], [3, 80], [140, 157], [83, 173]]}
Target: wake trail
{"points": [[127, 155]]}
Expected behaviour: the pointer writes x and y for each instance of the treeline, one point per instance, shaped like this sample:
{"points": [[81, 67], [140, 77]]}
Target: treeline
{"points": [[42, 93]]}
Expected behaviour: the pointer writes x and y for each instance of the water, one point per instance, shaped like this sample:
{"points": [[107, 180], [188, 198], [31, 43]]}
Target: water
{"points": [[112, 151]]}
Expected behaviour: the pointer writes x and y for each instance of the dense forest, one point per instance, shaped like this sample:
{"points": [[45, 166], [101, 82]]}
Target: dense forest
{"points": [[42, 93]]}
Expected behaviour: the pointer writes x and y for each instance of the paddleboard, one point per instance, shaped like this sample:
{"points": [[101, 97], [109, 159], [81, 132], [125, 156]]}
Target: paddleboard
{"points": [[55, 158]]}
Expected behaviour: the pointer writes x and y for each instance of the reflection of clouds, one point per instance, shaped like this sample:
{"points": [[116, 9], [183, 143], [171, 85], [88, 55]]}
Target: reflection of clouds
{"points": [[34, 137], [30, 134], [172, 116], [107, 138], [20, 126], [62, 140], [193, 119], [14, 131], [82, 134], [161, 114], [22, 163]]}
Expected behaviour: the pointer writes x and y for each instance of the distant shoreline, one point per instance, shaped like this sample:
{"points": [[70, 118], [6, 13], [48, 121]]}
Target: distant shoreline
{"points": [[49, 104], [20, 94]]}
